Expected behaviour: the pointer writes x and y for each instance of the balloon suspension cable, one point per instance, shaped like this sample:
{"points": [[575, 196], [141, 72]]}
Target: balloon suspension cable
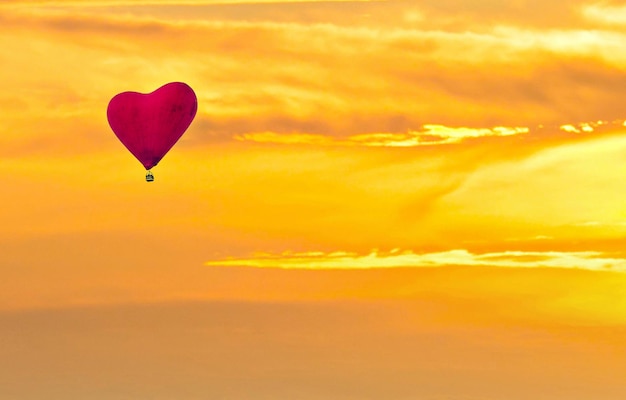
{"points": [[149, 176]]}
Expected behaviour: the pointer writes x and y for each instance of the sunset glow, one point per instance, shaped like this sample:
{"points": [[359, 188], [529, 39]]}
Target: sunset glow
{"points": [[376, 200]]}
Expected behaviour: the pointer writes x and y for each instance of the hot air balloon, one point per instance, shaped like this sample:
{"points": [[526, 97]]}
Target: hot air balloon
{"points": [[150, 124]]}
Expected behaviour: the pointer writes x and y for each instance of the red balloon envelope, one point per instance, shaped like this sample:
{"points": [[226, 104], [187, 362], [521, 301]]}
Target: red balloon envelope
{"points": [[150, 124]]}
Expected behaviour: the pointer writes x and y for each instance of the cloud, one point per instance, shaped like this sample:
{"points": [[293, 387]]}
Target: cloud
{"points": [[318, 77], [605, 13], [446, 14], [588, 260], [429, 136]]}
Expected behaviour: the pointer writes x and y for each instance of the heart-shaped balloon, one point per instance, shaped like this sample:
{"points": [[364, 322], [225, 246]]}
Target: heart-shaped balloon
{"points": [[150, 124]]}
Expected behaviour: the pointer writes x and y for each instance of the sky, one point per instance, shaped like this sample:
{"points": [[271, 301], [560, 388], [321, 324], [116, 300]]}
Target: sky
{"points": [[376, 200]]}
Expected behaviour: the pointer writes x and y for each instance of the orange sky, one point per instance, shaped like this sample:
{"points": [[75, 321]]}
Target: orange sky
{"points": [[376, 200]]}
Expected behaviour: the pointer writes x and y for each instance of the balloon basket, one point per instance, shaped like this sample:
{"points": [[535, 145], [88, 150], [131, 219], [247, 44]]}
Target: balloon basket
{"points": [[149, 177]]}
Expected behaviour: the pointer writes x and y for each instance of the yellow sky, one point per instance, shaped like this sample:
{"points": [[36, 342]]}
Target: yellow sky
{"points": [[454, 169]]}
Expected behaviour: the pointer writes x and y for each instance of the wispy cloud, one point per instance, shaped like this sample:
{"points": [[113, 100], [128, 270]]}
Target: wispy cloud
{"points": [[107, 3], [316, 77], [588, 260], [428, 136], [605, 13]]}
